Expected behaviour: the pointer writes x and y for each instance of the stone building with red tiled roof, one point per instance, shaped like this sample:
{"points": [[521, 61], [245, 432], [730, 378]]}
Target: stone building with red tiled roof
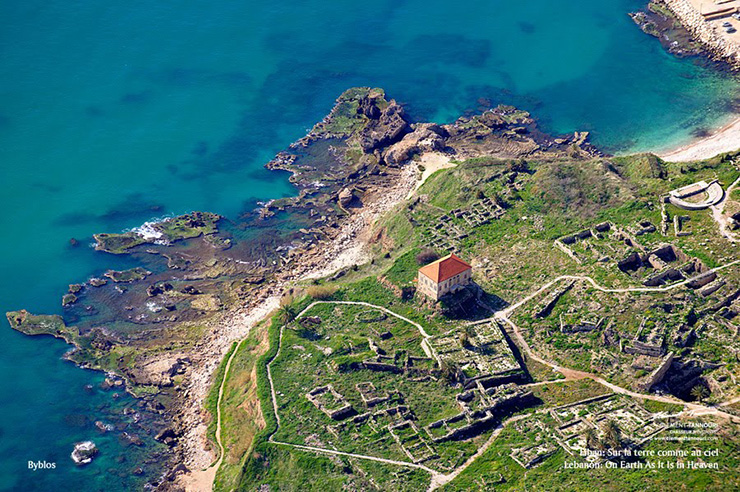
{"points": [[444, 276]]}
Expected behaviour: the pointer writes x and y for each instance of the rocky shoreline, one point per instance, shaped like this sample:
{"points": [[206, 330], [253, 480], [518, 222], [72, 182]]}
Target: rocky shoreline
{"points": [[665, 18], [661, 23], [505, 133], [211, 279]]}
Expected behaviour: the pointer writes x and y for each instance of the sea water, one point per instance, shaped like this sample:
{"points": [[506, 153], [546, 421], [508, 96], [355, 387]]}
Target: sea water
{"points": [[114, 113]]}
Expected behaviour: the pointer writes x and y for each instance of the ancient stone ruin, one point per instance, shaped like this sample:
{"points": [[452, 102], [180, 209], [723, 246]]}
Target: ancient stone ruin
{"points": [[329, 401]]}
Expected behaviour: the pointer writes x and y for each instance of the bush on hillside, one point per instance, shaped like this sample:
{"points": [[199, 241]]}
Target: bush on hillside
{"points": [[321, 292], [426, 256]]}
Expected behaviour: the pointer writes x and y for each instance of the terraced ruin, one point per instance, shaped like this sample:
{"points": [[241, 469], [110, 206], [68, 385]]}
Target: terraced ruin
{"points": [[602, 318]]}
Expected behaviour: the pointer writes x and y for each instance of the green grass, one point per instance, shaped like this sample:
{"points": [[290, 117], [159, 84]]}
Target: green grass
{"points": [[516, 255], [659, 406], [556, 394], [551, 474], [211, 400]]}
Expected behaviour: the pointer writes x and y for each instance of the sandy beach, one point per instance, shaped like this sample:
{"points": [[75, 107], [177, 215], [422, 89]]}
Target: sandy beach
{"points": [[725, 139]]}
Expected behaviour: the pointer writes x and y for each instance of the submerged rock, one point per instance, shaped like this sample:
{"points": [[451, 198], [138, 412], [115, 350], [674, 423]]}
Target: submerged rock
{"points": [[167, 436], [103, 427], [84, 452]]}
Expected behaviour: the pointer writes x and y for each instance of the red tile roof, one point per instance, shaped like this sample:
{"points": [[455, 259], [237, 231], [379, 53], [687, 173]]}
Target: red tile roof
{"points": [[444, 268]]}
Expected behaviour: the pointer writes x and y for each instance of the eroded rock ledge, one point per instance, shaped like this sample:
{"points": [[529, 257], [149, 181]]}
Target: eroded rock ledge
{"points": [[160, 326]]}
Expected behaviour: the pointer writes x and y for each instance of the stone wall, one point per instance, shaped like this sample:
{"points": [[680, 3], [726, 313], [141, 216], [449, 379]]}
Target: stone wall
{"points": [[657, 375], [712, 40]]}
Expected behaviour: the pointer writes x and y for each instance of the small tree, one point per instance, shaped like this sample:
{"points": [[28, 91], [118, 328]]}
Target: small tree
{"points": [[448, 371], [426, 256], [407, 293], [612, 435], [592, 439], [699, 392], [286, 312], [690, 317], [464, 339]]}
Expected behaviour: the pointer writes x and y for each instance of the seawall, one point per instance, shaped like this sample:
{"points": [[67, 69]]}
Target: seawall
{"points": [[713, 41]]}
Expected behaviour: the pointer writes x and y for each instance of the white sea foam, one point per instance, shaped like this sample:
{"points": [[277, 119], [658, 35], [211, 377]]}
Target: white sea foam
{"points": [[153, 307], [148, 231]]}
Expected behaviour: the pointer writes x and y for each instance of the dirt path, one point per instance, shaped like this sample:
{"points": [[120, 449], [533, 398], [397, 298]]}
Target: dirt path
{"points": [[548, 285], [360, 456], [694, 409], [729, 402], [719, 216], [432, 162], [373, 306], [439, 479], [202, 480]]}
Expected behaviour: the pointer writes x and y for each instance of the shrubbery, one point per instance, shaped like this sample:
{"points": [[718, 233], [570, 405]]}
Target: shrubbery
{"points": [[426, 256], [321, 292]]}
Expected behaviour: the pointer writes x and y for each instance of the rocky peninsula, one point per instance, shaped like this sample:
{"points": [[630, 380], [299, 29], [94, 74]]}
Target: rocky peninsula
{"points": [[204, 280]]}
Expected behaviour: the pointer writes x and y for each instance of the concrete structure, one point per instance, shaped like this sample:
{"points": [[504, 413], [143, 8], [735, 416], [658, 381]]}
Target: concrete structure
{"points": [[444, 276]]}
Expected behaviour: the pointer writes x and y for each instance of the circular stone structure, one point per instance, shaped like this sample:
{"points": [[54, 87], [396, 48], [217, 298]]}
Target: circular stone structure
{"points": [[713, 191]]}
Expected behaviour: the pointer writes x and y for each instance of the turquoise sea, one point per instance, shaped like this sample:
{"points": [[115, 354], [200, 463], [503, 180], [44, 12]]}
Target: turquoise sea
{"points": [[113, 113]]}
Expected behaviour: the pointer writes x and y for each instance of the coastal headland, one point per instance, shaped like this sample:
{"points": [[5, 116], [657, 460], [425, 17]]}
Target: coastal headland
{"points": [[204, 279]]}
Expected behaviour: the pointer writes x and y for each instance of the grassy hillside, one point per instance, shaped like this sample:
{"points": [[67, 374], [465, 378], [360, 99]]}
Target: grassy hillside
{"points": [[537, 202]]}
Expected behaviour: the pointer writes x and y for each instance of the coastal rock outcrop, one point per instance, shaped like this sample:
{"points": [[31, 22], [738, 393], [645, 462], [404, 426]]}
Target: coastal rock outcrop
{"points": [[346, 196], [159, 372], [426, 137], [167, 436], [387, 129], [84, 452]]}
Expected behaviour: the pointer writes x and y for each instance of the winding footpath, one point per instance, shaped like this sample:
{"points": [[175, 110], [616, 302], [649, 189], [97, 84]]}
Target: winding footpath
{"points": [[273, 394], [439, 479], [693, 408], [719, 216]]}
